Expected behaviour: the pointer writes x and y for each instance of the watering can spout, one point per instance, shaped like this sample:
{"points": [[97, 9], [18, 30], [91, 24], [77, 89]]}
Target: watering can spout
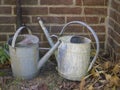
{"points": [[47, 55]]}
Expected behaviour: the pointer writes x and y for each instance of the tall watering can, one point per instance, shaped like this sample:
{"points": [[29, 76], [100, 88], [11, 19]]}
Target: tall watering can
{"points": [[24, 54], [73, 54]]}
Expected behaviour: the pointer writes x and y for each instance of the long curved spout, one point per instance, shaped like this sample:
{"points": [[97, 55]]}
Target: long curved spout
{"points": [[48, 54]]}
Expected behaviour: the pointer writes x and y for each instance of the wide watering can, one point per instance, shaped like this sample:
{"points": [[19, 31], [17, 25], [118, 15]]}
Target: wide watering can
{"points": [[73, 54], [24, 54]]}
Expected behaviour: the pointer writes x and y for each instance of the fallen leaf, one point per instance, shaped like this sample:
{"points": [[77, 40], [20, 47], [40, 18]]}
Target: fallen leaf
{"points": [[115, 80], [94, 72], [108, 77], [107, 65], [116, 69], [114, 88], [91, 87]]}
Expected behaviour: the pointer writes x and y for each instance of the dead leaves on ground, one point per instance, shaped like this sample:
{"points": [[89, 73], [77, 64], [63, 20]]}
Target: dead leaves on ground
{"points": [[104, 75]]}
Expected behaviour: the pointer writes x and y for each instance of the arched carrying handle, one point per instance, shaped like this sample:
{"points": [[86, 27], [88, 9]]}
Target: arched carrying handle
{"points": [[17, 32], [94, 34]]}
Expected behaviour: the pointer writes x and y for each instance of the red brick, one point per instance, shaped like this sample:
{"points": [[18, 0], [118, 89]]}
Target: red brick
{"points": [[102, 20], [3, 37], [112, 15], [25, 20], [115, 15], [56, 2], [7, 28], [102, 44], [90, 20], [114, 35], [29, 2], [65, 10], [44, 44], [111, 23], [106, 2], [50, 19], [69, 29], [56, 29], [36, 29], [78, 2], [101, 37], [117, 19], [5, 10], [79, 30], [109, 49], [7, 20], [34, 10], [97, 28], [96, 11], [114, 45], [116, 5], [10, 2], [117, 28], [93, 2], [44, 37], [23, 2]]}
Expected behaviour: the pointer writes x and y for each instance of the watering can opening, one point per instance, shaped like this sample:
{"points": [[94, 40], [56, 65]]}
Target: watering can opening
{"points": [[79, 40], [24, 41]]}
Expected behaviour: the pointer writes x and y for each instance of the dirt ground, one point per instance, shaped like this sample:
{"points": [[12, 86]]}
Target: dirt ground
{"points": [[104, 75], [48, 79]]}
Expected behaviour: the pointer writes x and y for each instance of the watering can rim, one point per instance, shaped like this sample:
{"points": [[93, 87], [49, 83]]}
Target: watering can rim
{"points": [[9, 42], [89, 41]]}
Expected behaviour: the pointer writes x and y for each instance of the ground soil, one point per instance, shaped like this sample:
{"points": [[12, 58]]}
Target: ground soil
{"points": [[48, 79]]}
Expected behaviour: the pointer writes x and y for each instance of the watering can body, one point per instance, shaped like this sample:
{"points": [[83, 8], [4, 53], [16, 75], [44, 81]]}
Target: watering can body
{"points": [[73, 58], [25, 62]]}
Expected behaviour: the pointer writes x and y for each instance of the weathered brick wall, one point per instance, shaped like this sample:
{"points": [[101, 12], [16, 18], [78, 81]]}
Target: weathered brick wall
{"points": [[54, 13], [114, 29]]}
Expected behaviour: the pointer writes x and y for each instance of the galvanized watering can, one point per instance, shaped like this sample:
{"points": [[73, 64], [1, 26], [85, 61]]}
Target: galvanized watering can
{"points": [[73, 54], [24, 54]]}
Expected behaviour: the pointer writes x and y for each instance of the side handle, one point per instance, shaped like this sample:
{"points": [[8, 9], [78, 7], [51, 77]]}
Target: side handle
{"points": [[17, 33]]}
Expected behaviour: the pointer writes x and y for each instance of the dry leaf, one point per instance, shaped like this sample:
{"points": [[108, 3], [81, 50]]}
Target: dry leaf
{"points": [[82, 84], [94, 72], [108, 77], [115, 80], [91, 87], [116, 69], [114, 88], [107, 65]]}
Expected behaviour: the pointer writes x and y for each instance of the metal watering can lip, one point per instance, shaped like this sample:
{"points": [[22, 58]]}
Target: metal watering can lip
{"points": [[75, 39], [20, 38]]}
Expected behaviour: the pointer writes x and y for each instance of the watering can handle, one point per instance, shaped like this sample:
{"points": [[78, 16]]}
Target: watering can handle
{"points": [[17, 32], [94, 34]]}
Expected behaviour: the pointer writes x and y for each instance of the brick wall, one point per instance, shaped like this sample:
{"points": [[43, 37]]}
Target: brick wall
{"points": [[113, 43], [54, 13]]}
